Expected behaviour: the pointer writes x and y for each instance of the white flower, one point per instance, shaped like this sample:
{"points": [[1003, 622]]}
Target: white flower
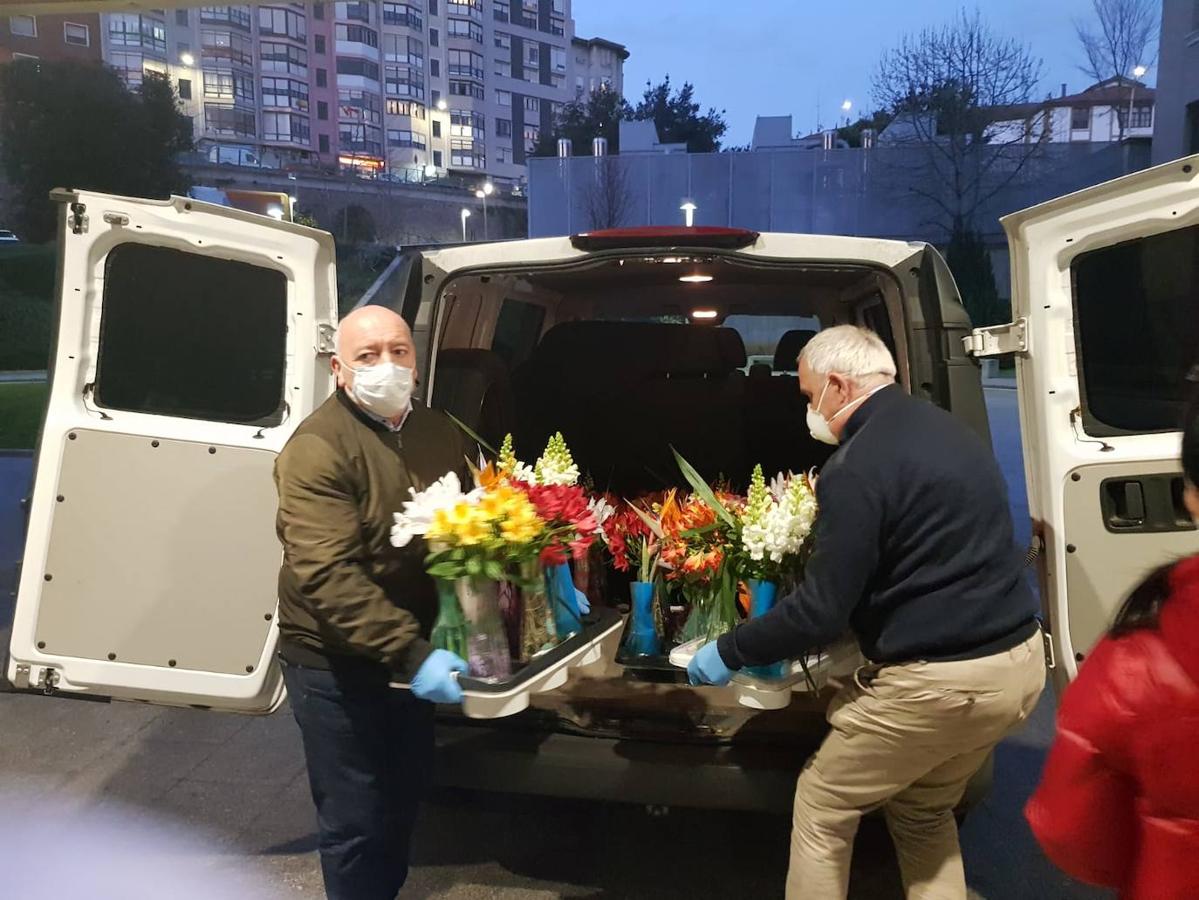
{"points": [[445, 493], [778, 485], [601, 509], [524, 473]]}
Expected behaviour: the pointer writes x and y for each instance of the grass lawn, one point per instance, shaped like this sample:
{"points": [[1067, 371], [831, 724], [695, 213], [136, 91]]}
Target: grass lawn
{"points": [[21, 407]]}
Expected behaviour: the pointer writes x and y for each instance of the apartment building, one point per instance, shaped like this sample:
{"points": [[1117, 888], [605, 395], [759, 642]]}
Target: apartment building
{"points": [[1177, 133], [411, 89], [598, 64], [74, 37]]}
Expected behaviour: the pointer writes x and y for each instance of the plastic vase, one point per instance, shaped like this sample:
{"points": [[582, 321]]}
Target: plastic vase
{"points": [[450, 631], [762, 595], [487, 645], [537, 632], [642, 639], [567, 618]]}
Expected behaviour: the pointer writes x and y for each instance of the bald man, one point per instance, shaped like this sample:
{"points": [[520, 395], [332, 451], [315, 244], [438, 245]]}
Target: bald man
{"points": [[355, 612]]}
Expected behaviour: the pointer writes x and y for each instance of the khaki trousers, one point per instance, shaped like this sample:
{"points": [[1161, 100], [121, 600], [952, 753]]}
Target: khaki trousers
{"points": [[906, 738]]}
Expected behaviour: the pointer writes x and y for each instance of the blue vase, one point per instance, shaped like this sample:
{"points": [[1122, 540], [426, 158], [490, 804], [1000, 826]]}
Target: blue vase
{"points": [[642, 639], [567, 618], [762, 595]]}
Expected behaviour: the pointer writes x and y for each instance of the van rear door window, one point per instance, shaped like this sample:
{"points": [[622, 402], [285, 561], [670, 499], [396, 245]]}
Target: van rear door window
{"points": [[192, 336], [1137, 331]]}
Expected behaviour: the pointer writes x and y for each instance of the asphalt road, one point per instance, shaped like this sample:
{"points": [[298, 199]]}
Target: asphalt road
{"points": [[238, 785]]}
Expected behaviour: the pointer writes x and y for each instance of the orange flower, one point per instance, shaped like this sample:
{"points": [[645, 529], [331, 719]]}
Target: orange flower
{"points": [[489, 477]]}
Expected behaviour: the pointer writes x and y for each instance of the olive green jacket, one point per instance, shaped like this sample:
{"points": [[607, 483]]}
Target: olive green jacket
{"points": [[344, 590]]}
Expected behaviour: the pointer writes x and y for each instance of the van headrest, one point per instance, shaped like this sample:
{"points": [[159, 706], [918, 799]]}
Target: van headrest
{"points": [[732, 348], [789, 347]]}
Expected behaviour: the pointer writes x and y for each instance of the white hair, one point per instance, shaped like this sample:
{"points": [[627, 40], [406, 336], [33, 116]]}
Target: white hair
{"points": [[848, 350]]}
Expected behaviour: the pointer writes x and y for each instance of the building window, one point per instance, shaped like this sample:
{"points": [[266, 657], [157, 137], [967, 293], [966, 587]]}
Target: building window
{"points": [[229, 86], [466, 89], [433, 8], [229, 120], [434, 38], [466, 63], [318, 12], [530, 10], [399, 48], [503, 68], [182, 19], [464, 28], [360, 139], [282, 23], [403, 138], [357, 34], [322, 78], [406, 108], [403, 15], [401, 81], [362, 68], [359, 11], [468, 154], [226, 15], [286, 128], [503, 41], [284, 58], [532, 104], [503, 128], [467, 123], [360, 106], [236, 48], [557, 25], [1080, 118], [322, 110], [185, 89], [532, 54], [434, 97], [435, 68], [557, 59], [437, 159], [472, 9], [286, 93], [503, 98], [1142, 116], [321, 45], [532, 136], [503, 154], [436, 128], [323, 143], [133, 31], [76, 35], [501, 10]]}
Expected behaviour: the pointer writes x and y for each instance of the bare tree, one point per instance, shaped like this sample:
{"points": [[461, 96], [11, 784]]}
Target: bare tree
{"points": [[606, 195], [961, 94], [1120, 38]]}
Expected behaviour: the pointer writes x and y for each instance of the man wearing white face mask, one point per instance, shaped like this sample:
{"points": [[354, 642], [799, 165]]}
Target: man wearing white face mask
{"points": [[913, 551], [355, 611]]}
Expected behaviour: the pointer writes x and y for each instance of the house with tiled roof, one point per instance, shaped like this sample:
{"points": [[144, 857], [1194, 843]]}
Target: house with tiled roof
{"points": [[1108, 111]]}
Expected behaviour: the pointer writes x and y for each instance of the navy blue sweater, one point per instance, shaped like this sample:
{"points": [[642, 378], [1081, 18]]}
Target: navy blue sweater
{"points": [[913, 548]]}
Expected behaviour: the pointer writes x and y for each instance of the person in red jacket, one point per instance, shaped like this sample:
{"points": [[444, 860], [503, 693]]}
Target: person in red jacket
{"points": [[1119, 801]]}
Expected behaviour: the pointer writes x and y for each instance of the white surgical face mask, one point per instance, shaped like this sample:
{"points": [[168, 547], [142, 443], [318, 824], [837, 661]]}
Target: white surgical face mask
{"points": [[821, 427], [384, 389]]}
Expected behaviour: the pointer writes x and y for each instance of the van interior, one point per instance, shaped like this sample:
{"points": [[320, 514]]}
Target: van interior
{"points": [[631, 356]]}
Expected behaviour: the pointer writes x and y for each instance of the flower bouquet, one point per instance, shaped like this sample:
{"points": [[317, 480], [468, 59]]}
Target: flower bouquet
{"points": [[476, 540], [633, 536]]}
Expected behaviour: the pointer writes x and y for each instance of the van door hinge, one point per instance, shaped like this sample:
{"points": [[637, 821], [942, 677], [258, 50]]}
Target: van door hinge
{"points": [[1050, 657], [326, 339], [78, 218], [998, 340], [21, 677]]}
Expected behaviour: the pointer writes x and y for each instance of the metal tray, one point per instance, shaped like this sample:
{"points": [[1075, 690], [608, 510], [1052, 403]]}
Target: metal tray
{"points": [[547, 672]]}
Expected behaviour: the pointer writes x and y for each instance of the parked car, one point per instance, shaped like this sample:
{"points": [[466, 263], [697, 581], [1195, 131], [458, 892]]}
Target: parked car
{"points": [[151, 560]]}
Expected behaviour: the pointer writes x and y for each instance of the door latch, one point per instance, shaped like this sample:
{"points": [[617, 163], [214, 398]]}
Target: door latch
{"points": [[326, 338], [998, 340]]}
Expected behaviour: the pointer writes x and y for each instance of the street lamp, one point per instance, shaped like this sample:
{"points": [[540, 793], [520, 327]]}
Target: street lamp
{"points": [[481, 194], [688, 209], [187, 59], [1138, 72], [442, 105], [465, 216]]}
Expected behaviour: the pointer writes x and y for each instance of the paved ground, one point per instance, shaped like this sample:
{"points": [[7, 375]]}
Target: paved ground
{"points": [[240, 781]]}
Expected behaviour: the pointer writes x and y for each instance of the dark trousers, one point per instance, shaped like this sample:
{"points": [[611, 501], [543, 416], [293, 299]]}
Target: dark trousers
{"points": [[369, 750]]}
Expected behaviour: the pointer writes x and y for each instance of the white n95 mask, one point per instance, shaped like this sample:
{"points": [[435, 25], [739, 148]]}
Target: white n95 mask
{"points": [[384, 389]]}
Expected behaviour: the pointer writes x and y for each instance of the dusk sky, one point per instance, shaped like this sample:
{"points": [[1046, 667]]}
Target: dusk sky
{"points": [[773, 57]]}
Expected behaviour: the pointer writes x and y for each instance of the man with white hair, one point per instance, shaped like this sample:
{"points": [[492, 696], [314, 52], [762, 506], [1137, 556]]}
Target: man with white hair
{"points": [[355, 612], [913, 551]]}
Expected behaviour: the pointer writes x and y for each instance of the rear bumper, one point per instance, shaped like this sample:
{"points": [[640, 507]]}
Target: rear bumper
{"points": [[715, 776]]}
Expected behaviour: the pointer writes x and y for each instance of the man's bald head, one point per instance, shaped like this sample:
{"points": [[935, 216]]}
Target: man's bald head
{"points": [[368, 336]]}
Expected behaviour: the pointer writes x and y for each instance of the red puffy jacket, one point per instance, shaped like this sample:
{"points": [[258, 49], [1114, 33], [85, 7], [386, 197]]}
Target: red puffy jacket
{"points": [[1119, 801]]}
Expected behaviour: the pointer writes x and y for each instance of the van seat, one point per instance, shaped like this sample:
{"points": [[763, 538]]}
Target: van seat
{"points": [[790, 345], [476, 387]]}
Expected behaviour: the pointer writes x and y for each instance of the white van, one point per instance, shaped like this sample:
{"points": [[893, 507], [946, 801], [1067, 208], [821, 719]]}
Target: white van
{"points": [[192, 339]]}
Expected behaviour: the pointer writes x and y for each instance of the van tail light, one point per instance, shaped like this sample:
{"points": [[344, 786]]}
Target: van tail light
{"points": [[663, 237]]}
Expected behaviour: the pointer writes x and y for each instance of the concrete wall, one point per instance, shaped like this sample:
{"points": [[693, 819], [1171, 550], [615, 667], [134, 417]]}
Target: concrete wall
{"points": [[1177, 80], [401, 214]]}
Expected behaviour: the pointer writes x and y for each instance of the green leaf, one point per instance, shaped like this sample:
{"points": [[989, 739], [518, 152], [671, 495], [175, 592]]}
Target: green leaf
{"points": [[493, 570], [474, 566], [446, 570], [650, 522], [471, 434], [702, 489]]}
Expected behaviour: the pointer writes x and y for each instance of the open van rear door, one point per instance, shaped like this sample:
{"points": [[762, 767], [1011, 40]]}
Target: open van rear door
{"points": [[189, 345], [1103, 295]]}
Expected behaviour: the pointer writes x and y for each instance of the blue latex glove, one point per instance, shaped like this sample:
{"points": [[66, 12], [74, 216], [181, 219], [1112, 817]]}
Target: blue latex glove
{"points": [[706, 667], [434, 680], [582, 602]]}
